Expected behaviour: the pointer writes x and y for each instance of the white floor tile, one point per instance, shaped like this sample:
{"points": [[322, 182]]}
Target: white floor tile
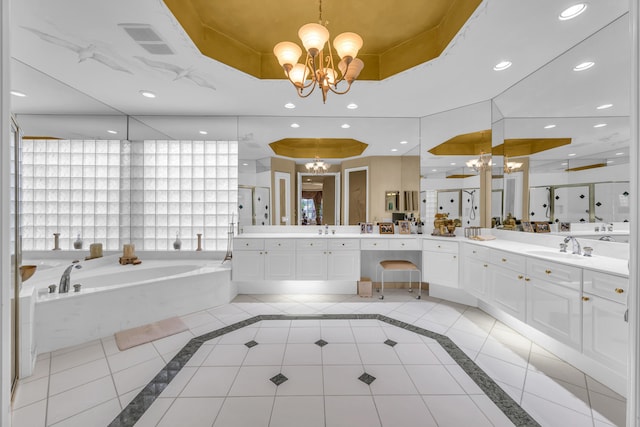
{"points": [[405, 411], [402, 336], [198, 318], [305, 323], [442, 354], [138, 375], [377, 354], [302, 354], [156, 411], [598, 387], [433, 379], [226, 355], [210, 381], [178, 382], [558, 369], [550, 414], [465, 381], [31, 392], [334, 323], [79, 399], [192, 412], [608, 410], [200, 355], [239, 336], [254, 381], [341, 354], [126, 398], [390, 380], [491, 411], [100, 415], [561, 393], [265, 354], [40, 370], [288, 411], [77, 357], [467, 340], [302, 381], [456, 411], [430, 325], [343, 380], [282, 323], [510, 338], [109, 345], [371, 334], [514, 355], [415, 354], [205, 328], [350, 411], [132, 356], [244, 412], [272, 335], [502, 371], [74, 348], [335, 335], [172, 342], [30, 416], [66, 380], [513, 392], [304, 335]]}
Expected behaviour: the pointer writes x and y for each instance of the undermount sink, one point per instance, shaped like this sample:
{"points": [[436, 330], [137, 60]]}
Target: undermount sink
{"points": [[555, 254]]}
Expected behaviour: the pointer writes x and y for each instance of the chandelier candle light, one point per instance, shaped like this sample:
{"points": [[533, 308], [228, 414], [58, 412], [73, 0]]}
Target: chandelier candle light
{"points": [[317, 167], [480, 163], [318, 69]]}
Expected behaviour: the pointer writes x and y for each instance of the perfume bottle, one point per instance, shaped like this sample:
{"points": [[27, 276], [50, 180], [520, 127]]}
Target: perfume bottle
{"points": [[78, 243], [178, 243]]}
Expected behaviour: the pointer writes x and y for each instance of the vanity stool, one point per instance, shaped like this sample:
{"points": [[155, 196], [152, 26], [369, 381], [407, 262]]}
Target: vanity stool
{"points": [[400, 265]]}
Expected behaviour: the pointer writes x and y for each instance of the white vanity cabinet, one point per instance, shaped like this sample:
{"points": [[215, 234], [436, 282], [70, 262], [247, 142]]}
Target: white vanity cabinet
{"points": [[278, 259], [440, 263], [554, 300], [327, 259], [506, 283], [475, 271], [263, 259], [604, 329]]}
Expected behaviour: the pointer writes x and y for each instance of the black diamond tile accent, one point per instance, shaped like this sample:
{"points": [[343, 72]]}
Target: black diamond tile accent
{"points": [[321, 343], [278, 379], [366, 378], [390, 343], [251, 343]]}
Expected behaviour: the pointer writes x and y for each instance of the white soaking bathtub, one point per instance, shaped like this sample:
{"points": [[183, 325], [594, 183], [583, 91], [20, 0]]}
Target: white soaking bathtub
{"points": [[114, 297]]}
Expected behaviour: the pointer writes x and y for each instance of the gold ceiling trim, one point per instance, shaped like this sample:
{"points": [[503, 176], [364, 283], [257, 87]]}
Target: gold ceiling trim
{"points": [[516, 147], [581, 168], [460, 175], [40, 137], [324, 148], [467, 144], [234, 39]]}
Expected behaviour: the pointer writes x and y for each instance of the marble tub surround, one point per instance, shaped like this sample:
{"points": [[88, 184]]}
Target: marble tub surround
{"points": [[551, 391]]}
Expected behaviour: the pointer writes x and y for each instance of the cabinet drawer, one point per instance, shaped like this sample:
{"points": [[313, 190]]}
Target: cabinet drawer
{"points": [[374, 244], [338, 244], [608, 286], [508, 260], [476, 252], [248, 244], [440, 246], [279, 244], [311, 244], [555, 273], [404, 244]]}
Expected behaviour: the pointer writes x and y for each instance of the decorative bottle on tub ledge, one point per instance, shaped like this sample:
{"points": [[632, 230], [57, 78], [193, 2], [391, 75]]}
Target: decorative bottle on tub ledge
{"points": [[78, 243], [178, 243]]}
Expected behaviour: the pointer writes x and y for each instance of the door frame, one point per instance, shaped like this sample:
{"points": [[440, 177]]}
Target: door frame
{"points": [[346, 192], [336, 175]]}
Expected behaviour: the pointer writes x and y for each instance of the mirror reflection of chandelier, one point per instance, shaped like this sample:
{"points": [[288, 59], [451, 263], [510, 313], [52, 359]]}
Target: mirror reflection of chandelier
{"points": [[318, 68], [482, 163], [317, 167], [511, 166]]}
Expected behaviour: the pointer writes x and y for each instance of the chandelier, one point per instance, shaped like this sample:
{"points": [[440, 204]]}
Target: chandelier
{"points": [[511, 166], [482, 163], [318, 68], [317, 167]]}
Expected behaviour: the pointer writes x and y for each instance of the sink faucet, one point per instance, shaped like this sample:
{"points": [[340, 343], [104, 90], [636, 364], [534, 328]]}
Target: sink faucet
{"points": [[574, 244], [65, 280]]}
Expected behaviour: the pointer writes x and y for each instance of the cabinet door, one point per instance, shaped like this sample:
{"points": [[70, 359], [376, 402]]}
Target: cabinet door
{"points": [[475, 274], [440, 268], [605, 332], [248, 265], [279, 265], [555, 311], [343, 265], [311, 265], [508, 292]]}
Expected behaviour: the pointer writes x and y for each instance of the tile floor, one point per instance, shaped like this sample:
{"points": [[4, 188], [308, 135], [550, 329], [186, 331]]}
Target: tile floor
{"points": [[416, 382]]}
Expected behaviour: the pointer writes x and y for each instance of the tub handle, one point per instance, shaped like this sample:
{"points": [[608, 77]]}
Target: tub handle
{"points": [[76, 287]]}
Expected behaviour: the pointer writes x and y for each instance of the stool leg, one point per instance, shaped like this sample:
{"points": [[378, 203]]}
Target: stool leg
{"points": [[382, 285], [410, 290], [419, 285], [377, 272]]}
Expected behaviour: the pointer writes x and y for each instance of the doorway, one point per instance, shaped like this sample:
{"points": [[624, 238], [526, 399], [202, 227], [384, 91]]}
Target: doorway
{"points": [[282, 195], [356, 200], [318, 199]]}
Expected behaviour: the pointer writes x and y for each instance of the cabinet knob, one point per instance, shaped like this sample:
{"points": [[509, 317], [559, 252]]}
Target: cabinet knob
{"points": [[401, 244], [473, 252], [279, 244], [526, 279], [548, 271], [246, 244], [325, 252], [619, 291], [330, 252], [343, 244], [485, 265], [504, 260], [375, 244], [454, 257], [439, 246], [310, 244], [585, 298], [265, 252], [260, 252], [520, 276]]}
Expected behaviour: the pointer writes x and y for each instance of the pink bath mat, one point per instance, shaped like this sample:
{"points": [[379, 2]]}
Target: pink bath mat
{"points": [[151, 332]]}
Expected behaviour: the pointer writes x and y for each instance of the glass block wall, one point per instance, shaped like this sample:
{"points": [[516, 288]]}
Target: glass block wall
{"points": [[116, 192]]}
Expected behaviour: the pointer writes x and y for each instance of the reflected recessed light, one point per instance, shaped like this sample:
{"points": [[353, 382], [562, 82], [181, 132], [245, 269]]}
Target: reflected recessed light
{"points": [[203, 132], [610, 161], [394, 149], [549, 126], [147, 94], [308, 179], [404, 142], [600, 125], [113, 132], [572, 154], [502, 65], [572, 11], [352, 106], [604, 106], [245, 164], [452, 164], [289, 105], [17, 93], [564, 163], [295, 125], [619, 154], [434, 170], [345, 126], [584, 66]]}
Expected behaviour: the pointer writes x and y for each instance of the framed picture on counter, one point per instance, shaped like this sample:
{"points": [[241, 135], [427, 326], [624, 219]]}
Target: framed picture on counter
{"points": [[542, 227], [363, 227], [404, 227], [386, 227], [527, 227], [369, 227]]}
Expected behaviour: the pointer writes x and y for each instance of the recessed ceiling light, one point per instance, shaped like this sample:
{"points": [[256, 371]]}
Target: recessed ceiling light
{"points": [[572, 11], [17, 93], [610, 161], [147, 94], [295, 125], [572, 154], [549, 126], [113, 132], [404, 142], [619, 154], [289, 105], [394, 149], [245, 164], [604, 106], [564, 163], [600, 125], [584, 66], [345, 126], [434, 170], [203, 132], [352, 106], [502, 65], [452, 164]]}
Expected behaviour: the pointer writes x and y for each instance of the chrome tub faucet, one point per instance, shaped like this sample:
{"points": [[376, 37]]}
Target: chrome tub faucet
{"points": [[65, 280]]}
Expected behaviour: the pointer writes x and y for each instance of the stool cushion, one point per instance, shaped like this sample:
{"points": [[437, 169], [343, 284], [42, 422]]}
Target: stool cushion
{"points": [[398, 265]]}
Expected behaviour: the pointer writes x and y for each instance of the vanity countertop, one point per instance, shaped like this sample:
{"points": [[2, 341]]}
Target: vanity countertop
{"points": [[342, 236]]}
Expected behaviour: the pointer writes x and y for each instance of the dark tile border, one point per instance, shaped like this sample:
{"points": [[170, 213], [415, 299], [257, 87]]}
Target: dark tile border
{"points": [[143, 400]]}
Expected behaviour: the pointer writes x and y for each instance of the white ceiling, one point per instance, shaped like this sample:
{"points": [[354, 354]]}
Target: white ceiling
{"points": [[68, 98]]}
